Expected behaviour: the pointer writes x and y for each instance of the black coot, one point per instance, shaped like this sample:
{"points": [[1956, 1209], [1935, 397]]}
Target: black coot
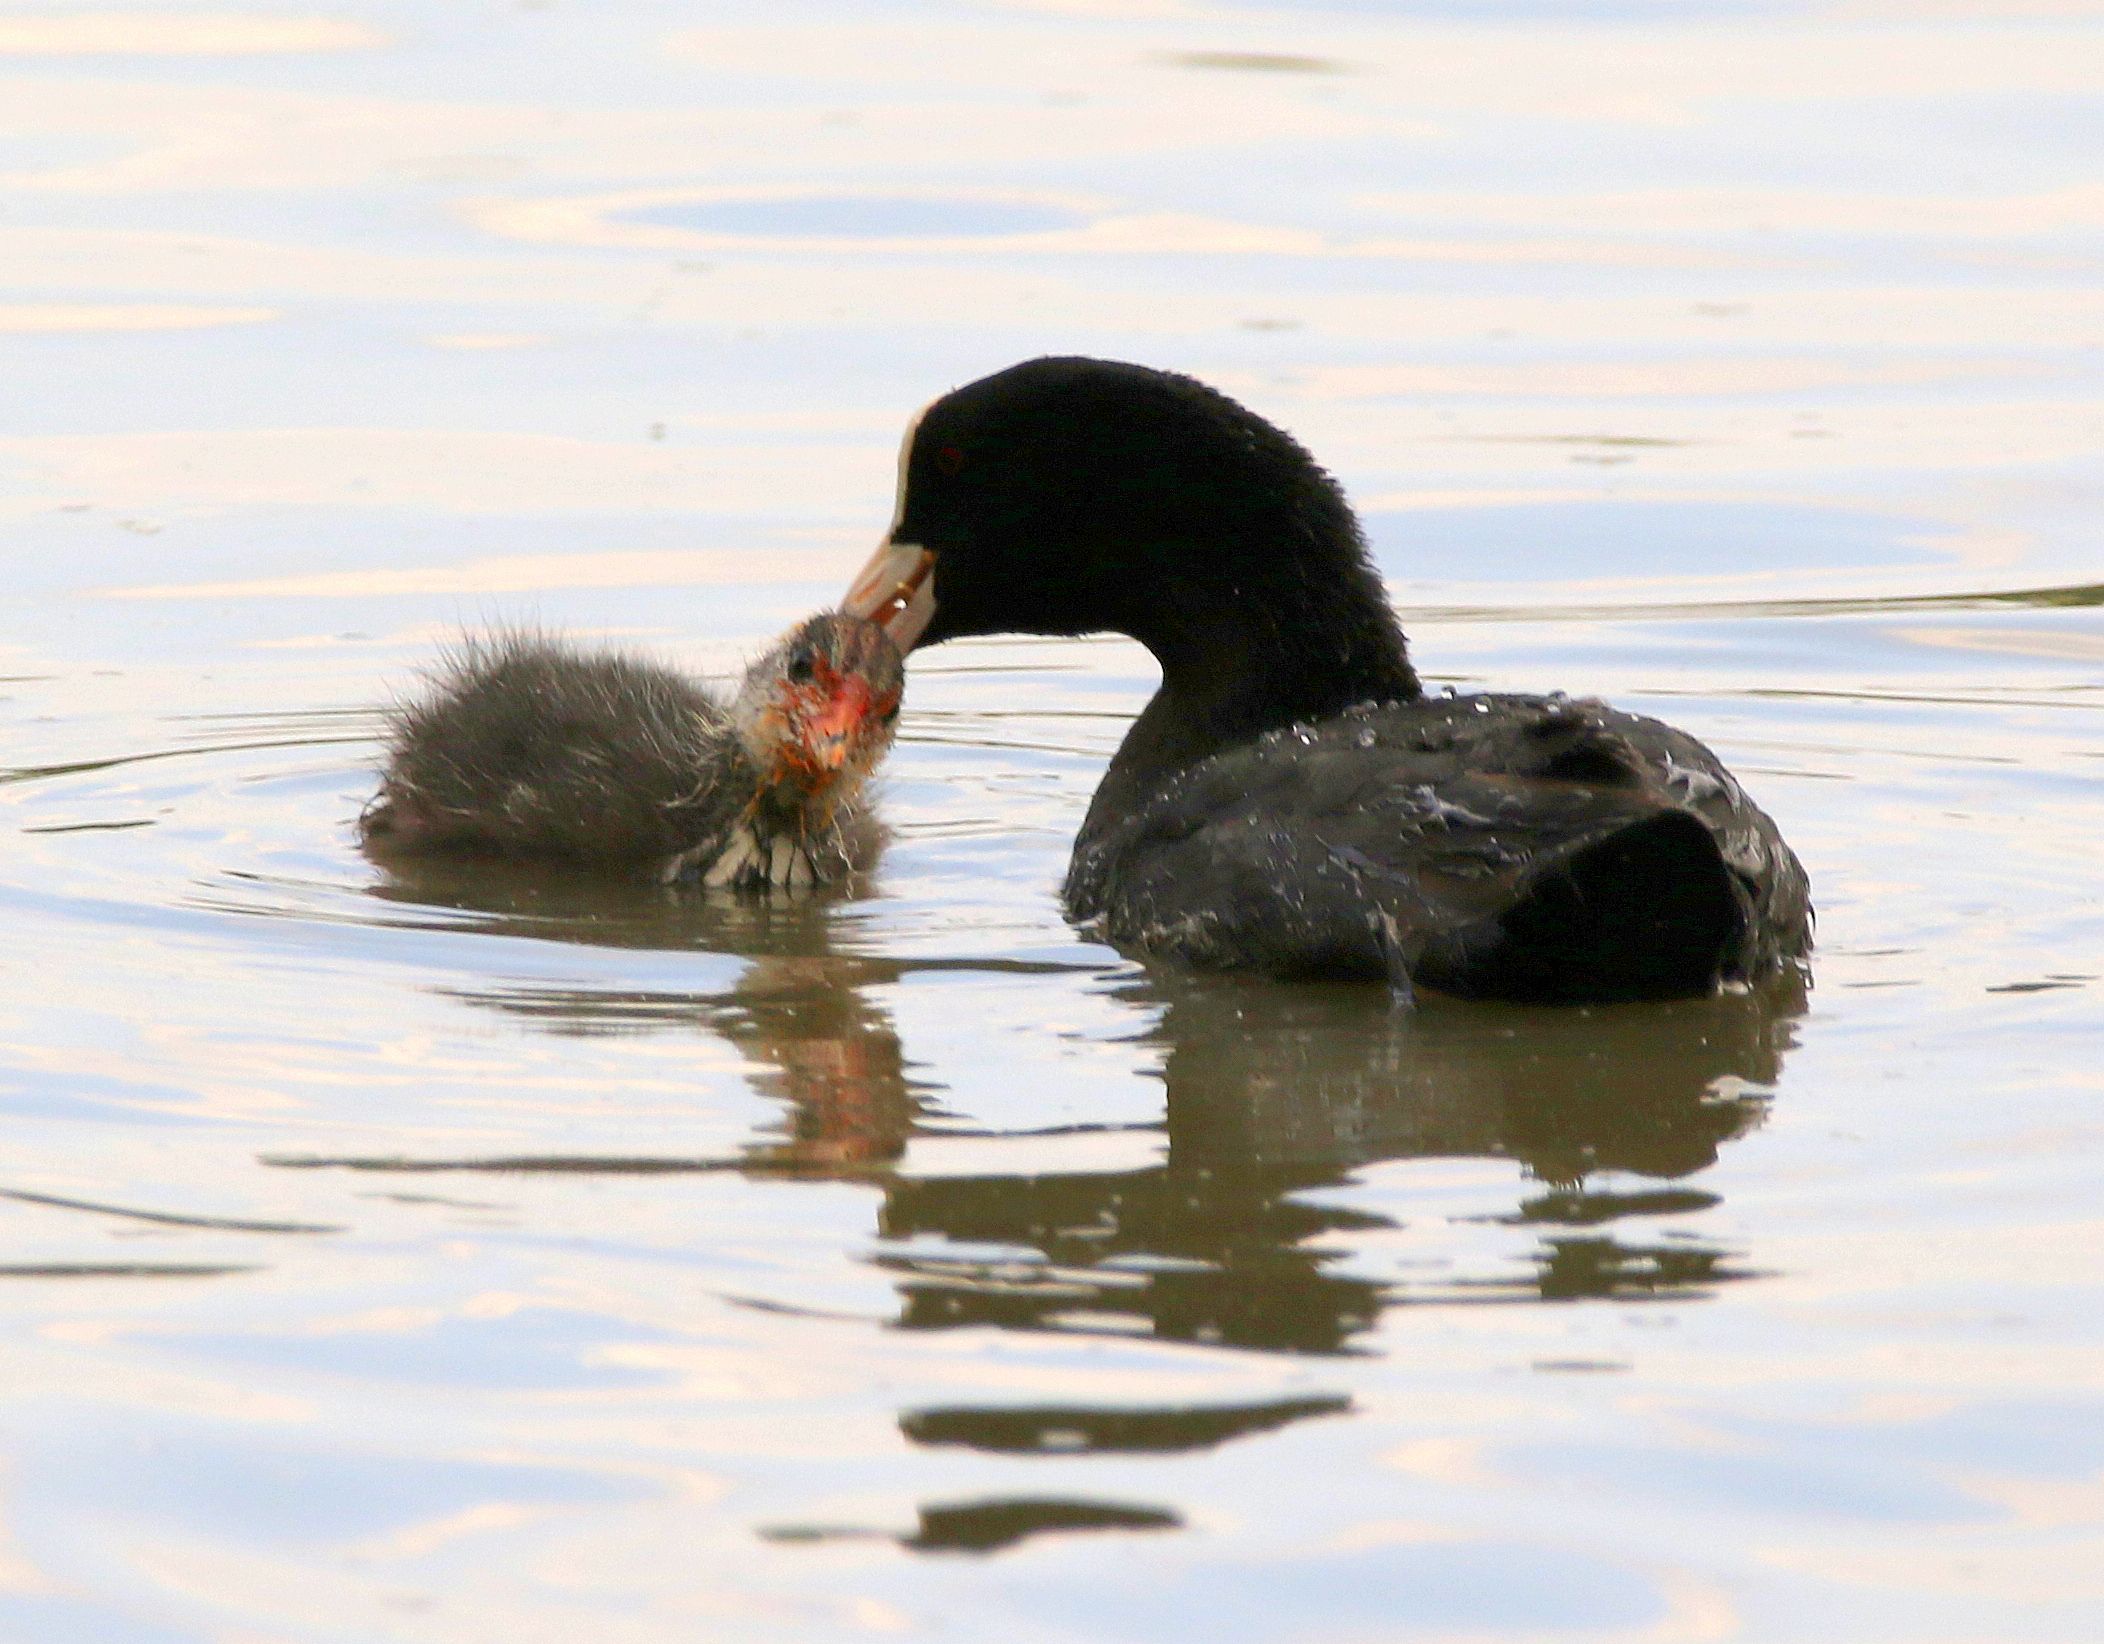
{"points": [[1291, 801]]}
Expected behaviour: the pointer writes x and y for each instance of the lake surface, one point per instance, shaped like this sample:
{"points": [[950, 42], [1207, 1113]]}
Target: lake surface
{"points": [[482, 1257]]}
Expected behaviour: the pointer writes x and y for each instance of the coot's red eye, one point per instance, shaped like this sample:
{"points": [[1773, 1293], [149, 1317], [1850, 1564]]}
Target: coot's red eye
{"points": [[950, 459]]}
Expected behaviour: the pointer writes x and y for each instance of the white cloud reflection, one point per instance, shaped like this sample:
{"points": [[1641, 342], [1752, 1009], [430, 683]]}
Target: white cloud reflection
{"points": [[47, 319], [177, 34]]}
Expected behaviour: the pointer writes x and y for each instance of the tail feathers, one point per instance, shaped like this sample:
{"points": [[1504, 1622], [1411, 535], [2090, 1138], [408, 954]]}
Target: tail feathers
{"points": [[1649, 911]]}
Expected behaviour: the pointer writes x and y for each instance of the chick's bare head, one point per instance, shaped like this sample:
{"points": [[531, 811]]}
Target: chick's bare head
{"points": [[817, 712]]}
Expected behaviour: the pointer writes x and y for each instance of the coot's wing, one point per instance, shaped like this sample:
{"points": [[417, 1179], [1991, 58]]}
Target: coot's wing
{"points": [[1505, 846]]}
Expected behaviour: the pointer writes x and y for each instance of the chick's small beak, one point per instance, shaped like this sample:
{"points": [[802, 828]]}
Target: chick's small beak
{"points": [[834, 728], [896, 591], [830, 734]]}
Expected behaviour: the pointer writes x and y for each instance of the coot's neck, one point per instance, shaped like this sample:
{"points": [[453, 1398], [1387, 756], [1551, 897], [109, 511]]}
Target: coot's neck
{"points": [[1287, 643]]}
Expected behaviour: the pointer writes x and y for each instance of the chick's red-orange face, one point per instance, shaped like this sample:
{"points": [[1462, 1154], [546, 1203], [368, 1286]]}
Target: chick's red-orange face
{"points": [[838, 703]]}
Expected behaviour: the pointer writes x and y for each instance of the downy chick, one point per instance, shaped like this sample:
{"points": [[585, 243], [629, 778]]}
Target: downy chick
{"points": [[524, 748]]}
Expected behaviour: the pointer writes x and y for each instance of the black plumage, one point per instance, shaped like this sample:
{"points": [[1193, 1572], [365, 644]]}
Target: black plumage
{"points": [[1290, 801]]}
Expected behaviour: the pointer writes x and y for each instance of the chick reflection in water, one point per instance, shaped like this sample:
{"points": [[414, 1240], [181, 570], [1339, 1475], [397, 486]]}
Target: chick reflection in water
{"points": [[799, 1015]]}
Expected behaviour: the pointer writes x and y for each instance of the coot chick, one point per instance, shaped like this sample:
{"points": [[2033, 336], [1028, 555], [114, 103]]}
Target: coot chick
{"points": [[1290, 801], [525, 748]]}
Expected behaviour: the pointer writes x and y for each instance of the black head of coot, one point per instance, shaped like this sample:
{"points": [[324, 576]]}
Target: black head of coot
{"points": [[1070, 496]]}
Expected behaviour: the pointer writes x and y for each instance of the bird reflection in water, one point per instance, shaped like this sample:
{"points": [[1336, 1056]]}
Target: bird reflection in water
{"points": [[1276, 1095], [1275, 1092], [800, 1013]]}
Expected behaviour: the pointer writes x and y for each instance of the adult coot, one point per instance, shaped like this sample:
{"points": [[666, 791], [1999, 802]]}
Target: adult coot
{"points": [[525, 748], [1290, 801]]}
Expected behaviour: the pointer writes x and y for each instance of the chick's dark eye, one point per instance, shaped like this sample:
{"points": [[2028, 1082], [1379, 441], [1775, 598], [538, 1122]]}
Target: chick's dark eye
{"points": [[950, 458], [799, 669]]}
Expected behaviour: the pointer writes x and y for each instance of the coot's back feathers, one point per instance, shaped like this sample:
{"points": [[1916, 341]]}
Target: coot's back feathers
{"points": [[1489, 846]]}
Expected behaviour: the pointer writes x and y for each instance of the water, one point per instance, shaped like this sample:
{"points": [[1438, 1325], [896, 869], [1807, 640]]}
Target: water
{"points": [[476, 1256]]}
